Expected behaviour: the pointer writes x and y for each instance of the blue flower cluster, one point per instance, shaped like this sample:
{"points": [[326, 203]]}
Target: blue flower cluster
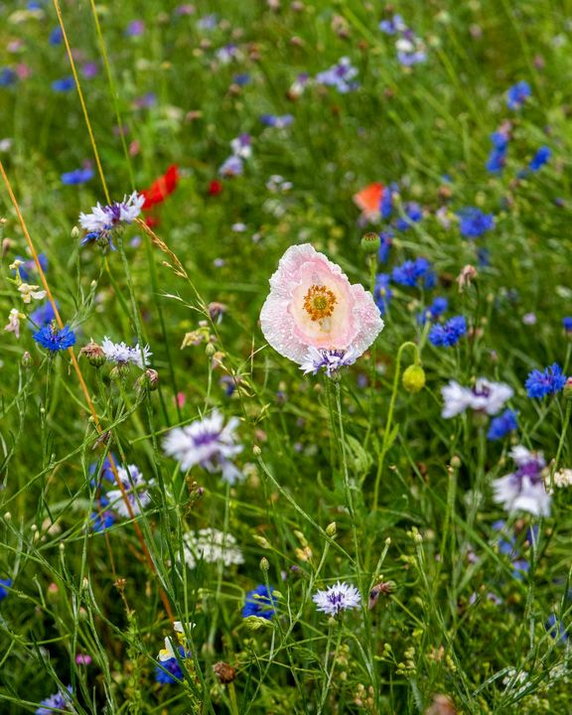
{"points": [[474, 222], [518, 94], [449, 333], [259, 602], [502, 425], [549, 381], [414, 273]]}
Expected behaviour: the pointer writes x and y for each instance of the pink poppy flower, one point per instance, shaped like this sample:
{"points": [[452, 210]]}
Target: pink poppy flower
{"points": [[313, 309]]}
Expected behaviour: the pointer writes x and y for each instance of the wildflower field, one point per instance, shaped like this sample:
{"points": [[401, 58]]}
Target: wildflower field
{"points": [[285, 357]]}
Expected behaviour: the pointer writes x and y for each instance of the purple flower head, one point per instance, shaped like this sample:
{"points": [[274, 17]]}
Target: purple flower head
{"points": [[90, 70], [330, 361], [77, 176], [61, 701], [549, 381], [135, 28], [233, 166], [63, 85], [523, 489], [53, 339], [474, 222], [411, 273], [259, 602], [337, 598], [449, 333], [393, 26], [541, 157], [280, 122], [502, 425], [518, 94], [103, 219], [382, 293], [339, 76]]}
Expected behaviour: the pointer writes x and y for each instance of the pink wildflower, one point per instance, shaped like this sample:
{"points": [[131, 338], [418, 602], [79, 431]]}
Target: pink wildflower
{"points": [[313, 305]]}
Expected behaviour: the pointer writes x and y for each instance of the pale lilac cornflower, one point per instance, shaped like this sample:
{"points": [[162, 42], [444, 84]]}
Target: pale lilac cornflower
{"points": [[329, 360], [233, 166], [135, 488], [122, 354], [60, 702], [278, 184], [242, 146], [340, 76], [485, 396], [211, 546], [227, 53], [524, 489], [337, 598], [13, 325], [103, 219], [209, 443]]}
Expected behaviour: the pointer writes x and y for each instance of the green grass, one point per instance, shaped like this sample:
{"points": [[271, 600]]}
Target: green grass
{"points": [[305, 515]]}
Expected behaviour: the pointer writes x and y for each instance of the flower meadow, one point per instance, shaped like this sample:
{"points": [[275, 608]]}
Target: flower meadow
{"points": [[285, 359]]}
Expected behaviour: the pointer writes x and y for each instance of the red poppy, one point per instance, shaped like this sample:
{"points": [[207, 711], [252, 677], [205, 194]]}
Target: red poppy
{"points": [[369, 198], [161, 187], [215, 187]]}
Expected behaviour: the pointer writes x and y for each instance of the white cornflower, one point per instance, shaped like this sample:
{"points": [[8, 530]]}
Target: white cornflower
{"points": [[135, 488], [211, 546], [30, 292], [485, 396], [207, 442], [330, 360], [336, 598], [122, 354], [13, 325], [104, 218], [524, 489]]}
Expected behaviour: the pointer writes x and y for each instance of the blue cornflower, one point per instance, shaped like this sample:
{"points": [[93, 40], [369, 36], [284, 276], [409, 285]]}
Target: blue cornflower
{"points": [[7, 77], [42, 315], [63, 85], [60, 702], [386, 206], [474, 222], [273, 120], [556, 628], [507, 546], [341, 76], [53, 339], [483, 256], [386, 239], [540, 158], [547, 382], [27, 267], [434, 311], [103, 520], [567, 323], [174, 675], [411, 272], [5, 584], [77, 176], [241, 79], [259, 602], [56, 36], [382, 293], [413, 213], [449, 333], [497, 157], [393, 25], [503, 424], [518, 94]]}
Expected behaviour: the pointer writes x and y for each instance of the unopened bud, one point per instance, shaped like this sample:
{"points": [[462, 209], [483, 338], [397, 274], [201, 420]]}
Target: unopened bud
{"points": [[331, 529], [413, 379], [149, 380], [370, 242], [94, 354], [224, 672], [264, 564], [26, 359]]}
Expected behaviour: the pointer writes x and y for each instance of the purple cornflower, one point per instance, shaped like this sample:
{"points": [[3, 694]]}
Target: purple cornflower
{"points": [[523, 489], [518, 94], [174, 674], [233, 166], [393, 25], [5, 584], [337, 598], [259, 602], [103, 219], [413, 214], [411, 273], [382, 293], [541, 157], [77, 176], [330, 361], [278, 121], [60, 702], [53, 339], [339, 76], [448, 333], [135, 28], [549, 381], [63, 85], [502, 425], [90, 70], [207, 442], [146, 101], [474, 222], [434, 311]]}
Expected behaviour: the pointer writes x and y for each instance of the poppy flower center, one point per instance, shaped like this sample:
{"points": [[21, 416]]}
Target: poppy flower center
{"points": [[319, 302]]}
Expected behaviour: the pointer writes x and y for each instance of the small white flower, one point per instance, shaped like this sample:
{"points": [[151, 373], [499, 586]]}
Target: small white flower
{"points": [[336, 598], [485, 396], [211, 546], [122, 354], [135, 489], [13, 325], [563, 478], [456, 397], [330, 360], [30, 292], [524, 489], [207, 442]]}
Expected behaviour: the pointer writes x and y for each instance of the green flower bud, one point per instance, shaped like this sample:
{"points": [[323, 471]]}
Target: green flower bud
{"points": [[414, 378], [370, 242]]}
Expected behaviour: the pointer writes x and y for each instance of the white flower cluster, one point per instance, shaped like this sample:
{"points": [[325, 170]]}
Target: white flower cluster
{"points": [[211, 546], [122, 354]]}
